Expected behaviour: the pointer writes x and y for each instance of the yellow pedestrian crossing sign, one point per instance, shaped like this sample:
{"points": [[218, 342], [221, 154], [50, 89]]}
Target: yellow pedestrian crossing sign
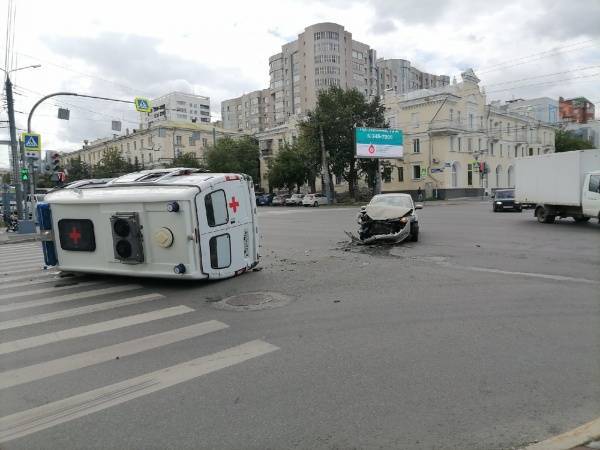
{"points": [[142, 104]]}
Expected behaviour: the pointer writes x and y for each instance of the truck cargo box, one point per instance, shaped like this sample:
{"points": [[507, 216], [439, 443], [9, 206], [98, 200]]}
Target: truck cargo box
{"points": [[555, 178]]}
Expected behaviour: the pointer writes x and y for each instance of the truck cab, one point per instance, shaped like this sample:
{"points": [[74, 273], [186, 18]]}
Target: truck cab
{"points": [[590, 197], [164, 223]]}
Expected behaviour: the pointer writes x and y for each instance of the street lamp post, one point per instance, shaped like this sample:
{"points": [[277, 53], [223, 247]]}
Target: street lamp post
{"points": [[14, 146]]}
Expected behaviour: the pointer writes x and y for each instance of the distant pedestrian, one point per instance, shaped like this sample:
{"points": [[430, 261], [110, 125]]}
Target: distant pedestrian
{"points": [[419, 194]]}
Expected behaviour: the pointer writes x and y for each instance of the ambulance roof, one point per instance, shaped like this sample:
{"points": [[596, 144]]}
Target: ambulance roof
{"points": [[175, 183]]}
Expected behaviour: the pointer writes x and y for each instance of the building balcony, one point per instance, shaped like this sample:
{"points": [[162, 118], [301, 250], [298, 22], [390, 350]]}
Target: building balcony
{"points": [[447, 128]]}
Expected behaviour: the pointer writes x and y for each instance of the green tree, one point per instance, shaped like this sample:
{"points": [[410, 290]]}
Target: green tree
{"points": [[234, 155], [6, 178], [78, 170], [111, 165], [337, 113], [288, 169], [566, 141], [186, 160]]}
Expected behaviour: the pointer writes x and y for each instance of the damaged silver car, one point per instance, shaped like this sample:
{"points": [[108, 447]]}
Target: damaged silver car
{"points": [[388, 218]]}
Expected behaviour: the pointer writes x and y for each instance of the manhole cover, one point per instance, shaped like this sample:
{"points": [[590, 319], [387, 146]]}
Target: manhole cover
{"points": [[253, 301]]}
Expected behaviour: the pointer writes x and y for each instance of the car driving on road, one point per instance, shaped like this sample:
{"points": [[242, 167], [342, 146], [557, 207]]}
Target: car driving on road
{"points": [[504, 199]]}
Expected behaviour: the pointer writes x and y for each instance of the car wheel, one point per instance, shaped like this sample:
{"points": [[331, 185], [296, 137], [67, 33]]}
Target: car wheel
{"points": [[414, 235], [315, 204], [495, 208], [519, 209], [581, 219]]}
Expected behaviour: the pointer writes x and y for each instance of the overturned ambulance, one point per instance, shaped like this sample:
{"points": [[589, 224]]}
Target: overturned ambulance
{"points": [[164, 223]]}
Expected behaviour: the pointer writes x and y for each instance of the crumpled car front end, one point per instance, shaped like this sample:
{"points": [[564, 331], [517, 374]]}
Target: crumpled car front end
{"points": [[391, 224]]}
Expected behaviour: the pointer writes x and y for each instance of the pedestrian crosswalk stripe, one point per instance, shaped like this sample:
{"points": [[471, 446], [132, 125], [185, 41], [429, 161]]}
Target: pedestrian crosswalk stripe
{"points": [[48, 290], [22, 259], [63, 314], [68, 297], [41, 280], [95, 328], [30, 276], [35, 372], [54, 413], [21, 269], [21, 251]]}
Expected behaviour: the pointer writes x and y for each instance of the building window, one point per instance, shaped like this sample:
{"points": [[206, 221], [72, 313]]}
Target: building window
{"points": [[177, 140], [479, 144], [135, 145], [452, 143], [416, 172], [191, 140], [501, 150], [530, 152], [459, 144], [470, 174], [469, 145], [387, 175], [150, 157], [451, 115], [204, 142], [415, 120], [471, 121], [128, 146], [162, 132], [492, 148], [400, 174], [416, 146], [515, 151], [141, 144]]}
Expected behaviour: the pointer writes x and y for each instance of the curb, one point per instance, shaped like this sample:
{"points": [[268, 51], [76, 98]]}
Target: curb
{"points": [[572, 438]]}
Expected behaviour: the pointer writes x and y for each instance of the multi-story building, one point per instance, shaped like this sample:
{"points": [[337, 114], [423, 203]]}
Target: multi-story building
{"points": [[589, 131], [578, 109], [155, 145], [251, 112], [178, 106], [399, 77], [544, 109], [324, 55], [449, 132]]}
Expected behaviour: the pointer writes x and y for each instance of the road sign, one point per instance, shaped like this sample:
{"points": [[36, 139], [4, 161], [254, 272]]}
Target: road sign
{"points": [[379, 143], [142, 104], [32, 144]]}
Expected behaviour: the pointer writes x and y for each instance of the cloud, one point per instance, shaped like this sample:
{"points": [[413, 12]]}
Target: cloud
{"points": [[383, 26], [561, 19]]}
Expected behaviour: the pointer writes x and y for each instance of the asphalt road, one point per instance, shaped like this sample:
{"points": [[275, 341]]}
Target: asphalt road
{"points": [[483, 335]]}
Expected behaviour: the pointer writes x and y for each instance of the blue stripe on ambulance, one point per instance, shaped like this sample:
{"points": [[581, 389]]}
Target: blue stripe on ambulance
{"points": [[45, 220]]}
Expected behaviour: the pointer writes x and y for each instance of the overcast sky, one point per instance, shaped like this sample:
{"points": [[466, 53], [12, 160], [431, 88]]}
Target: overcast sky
{"points": [[220, 49]]}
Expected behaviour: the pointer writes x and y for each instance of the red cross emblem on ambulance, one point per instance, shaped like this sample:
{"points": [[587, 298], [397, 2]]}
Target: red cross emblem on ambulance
{"points": [[233, 204]]}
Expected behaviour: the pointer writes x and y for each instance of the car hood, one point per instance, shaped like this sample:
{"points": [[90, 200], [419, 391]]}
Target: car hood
{"points": [[381, 212]]}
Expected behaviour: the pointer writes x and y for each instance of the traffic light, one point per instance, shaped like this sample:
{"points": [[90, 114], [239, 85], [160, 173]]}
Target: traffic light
{"points": [[55, 162], [24, 174]]}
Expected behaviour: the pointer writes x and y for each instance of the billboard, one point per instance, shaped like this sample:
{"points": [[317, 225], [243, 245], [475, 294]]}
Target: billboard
{"points": [[379, 143]]}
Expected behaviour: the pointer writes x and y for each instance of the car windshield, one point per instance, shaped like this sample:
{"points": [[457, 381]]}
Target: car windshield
{"points": [[505, 194], [392, 200]]}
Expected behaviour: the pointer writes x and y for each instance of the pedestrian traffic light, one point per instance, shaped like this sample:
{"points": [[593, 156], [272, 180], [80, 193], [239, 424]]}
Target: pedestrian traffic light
{"points": [[24, 174]]}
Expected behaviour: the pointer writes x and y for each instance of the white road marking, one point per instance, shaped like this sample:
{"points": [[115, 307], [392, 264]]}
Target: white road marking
{"points": [[526, 274], [41, 280], [52, 414], [35, 372], [63, 314], [572, 438], [21, 269], [47, 290], [7, 262], [86, 330], [31, 276], [17, 252], [68, 297]]}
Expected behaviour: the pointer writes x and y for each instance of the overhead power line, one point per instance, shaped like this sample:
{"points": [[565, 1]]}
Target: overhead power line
{"points": [[542, 76]]}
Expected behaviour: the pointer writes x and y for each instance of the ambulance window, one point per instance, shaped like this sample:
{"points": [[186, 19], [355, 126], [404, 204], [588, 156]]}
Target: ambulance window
{"points": [[216, 208], [220, 251]]}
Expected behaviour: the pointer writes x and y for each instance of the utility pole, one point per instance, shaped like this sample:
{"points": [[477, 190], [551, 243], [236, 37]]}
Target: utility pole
{"points": [[14, 148], [325, 168]]}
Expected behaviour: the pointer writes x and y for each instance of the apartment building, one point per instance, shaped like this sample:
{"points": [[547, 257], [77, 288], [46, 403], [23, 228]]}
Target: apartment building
{"points": [[178, 106], [155, 145], [399, 77], [324, 55], [449, 132]]}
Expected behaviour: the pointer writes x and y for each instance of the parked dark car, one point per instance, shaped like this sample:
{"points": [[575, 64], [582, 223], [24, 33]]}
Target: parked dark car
{"points": [[504, 199], [265, 199]]}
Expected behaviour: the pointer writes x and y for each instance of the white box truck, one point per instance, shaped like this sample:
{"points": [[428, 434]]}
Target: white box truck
{"points": [[560, 184]]}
